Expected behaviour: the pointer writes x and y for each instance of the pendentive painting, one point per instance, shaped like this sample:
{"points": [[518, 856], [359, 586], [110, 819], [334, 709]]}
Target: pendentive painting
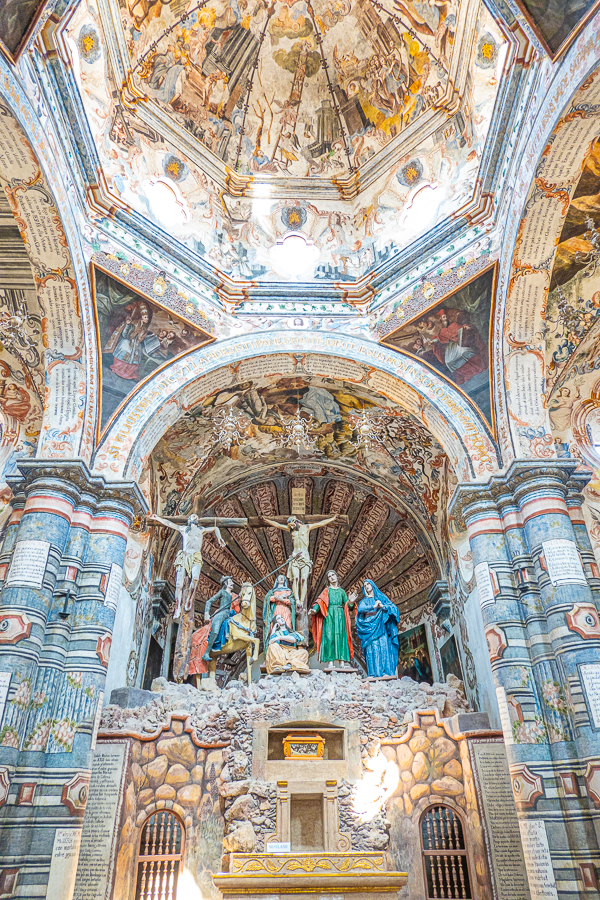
{"points": [[136, 336], [413, 655], [17, 20], [454, 338], [556, 22]]}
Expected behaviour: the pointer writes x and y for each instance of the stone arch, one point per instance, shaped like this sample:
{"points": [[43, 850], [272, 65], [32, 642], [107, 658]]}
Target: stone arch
{"points": [[543, 190], [443, 410], [29, 163]]}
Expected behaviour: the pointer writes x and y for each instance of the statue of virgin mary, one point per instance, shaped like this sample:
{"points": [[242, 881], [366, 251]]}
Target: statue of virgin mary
{"points": [[377, 628]]}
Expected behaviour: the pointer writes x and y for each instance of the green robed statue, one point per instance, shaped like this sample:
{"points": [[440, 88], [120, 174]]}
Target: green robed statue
{"points": [[331, 624]]}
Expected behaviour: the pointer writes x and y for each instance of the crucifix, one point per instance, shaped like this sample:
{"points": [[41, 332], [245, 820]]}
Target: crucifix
{"points": [[188, 564]]}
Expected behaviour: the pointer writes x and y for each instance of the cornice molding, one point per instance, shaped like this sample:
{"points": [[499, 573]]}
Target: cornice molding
{"points": [[509, 489], [74, 479]]}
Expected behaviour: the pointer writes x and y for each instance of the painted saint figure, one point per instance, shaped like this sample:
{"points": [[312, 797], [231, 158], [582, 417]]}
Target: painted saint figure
{"points": [[283, 651], [331, 624], [300, 561], [377, 628], [279, 601]]}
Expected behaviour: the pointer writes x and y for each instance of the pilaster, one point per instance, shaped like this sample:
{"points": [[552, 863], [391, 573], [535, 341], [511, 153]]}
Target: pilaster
{"points": [[537, 590], [60, 577]]}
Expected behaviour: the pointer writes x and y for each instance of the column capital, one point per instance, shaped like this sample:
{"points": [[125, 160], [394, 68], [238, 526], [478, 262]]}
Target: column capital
{"points": [[522, 476], [73, 479]]}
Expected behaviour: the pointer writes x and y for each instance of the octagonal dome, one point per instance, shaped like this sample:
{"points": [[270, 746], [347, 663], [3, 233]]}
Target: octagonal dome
{"points": [[356, 124]]}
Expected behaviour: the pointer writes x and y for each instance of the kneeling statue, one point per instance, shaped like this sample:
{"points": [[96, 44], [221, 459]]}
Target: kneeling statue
{"points": [[283, 652]]}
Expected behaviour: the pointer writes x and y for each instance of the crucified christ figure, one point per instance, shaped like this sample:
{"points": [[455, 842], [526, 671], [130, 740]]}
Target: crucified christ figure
{"points": [[300, 564], [188, 562]]}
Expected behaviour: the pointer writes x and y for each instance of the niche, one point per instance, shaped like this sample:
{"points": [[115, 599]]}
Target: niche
{"points": [[306, 822], [333, 738]]}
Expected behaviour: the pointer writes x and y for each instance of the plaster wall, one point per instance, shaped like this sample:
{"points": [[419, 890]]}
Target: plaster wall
{"points": [[116, 675]]}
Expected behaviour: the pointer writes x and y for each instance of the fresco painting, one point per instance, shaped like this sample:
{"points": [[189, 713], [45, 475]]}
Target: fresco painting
{"points": [[388, 72], [572, 326], [328, 407], [453, 338], [556, 22], [136, 337], [299, 121], [413, 658]]}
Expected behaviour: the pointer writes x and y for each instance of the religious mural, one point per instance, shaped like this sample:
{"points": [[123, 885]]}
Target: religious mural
{"points": [[572, 324], [329, 409], [414, 660], [249, 87], [17, 20], [557, 21], [22, 375], [453, 336], [249, 82], [136, 337]]}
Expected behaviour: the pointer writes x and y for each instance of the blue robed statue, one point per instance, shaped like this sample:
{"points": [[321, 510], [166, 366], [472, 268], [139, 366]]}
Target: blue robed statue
{"points": [[377, 628]]}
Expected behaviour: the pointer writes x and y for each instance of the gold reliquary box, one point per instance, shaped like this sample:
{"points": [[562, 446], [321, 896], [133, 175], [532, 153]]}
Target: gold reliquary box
{"points": [[303, 746]]}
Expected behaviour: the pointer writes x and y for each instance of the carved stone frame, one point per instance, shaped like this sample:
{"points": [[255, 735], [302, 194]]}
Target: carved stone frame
{"points": [[334, 841]]}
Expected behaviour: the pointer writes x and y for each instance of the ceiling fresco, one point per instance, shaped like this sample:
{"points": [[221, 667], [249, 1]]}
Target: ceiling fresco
{"points": [[251, 81], [321, 107], [187, 460]]}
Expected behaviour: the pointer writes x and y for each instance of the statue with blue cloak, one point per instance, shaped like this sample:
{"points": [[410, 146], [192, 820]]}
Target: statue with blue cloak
{"points": [[377, 621]]}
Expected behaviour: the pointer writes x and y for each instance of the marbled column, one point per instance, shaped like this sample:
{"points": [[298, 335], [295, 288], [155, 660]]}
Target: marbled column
{"points": [[539, 632], [55, 635]]}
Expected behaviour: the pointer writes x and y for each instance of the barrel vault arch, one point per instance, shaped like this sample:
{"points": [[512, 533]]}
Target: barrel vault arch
{"points": [[29, 164], [444, 411]]}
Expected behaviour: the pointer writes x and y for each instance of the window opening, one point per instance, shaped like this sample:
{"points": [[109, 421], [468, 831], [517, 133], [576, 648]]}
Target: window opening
{"points": [[444, 855], [159, 861]]}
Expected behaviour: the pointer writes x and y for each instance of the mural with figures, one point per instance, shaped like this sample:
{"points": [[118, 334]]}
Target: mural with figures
{"points": [[413, 658], [136, 336], [189, 458], [454, 337], [22, 376], [389, 67], [572, 325], [292, 96]]}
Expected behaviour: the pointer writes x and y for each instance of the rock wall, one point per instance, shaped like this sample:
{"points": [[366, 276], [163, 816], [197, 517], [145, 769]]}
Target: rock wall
{"points": [[193, 752]]}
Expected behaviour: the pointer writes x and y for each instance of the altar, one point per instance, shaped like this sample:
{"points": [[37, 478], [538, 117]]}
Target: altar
{"points": [[360, 876]]}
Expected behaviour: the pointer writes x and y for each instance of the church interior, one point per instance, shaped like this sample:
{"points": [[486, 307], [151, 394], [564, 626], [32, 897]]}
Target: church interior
{"points": [[299, 449]]}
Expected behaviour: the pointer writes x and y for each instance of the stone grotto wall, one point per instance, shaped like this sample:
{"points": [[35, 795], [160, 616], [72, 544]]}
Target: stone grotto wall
{"points": [[197, 753]]}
